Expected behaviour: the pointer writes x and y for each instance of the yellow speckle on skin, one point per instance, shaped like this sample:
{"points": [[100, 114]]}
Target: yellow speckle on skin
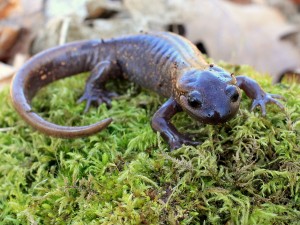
{"points": [[44, 77]]}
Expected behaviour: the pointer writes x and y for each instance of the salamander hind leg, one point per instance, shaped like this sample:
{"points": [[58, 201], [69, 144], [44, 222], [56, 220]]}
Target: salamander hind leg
{"points": [[95, 92]]}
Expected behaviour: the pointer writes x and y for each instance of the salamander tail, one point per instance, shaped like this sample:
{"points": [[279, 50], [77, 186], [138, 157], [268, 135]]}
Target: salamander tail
{"points": [[36, 121], [44, 68]]}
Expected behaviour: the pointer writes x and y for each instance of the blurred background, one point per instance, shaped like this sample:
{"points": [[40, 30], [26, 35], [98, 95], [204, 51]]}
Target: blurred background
{"points": [[261, 33]]}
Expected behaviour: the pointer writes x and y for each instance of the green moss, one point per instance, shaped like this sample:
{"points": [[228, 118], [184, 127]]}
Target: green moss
{"points": [[245, 172]]}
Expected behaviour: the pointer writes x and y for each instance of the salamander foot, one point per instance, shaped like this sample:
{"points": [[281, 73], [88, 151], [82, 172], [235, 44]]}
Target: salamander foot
{"points": [[96, 97], [175, 144]]}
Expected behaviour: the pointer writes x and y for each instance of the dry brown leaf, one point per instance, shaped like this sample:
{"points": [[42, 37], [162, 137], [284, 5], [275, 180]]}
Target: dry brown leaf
{"points": [[8, 7], [8, 37], [239, 34]]}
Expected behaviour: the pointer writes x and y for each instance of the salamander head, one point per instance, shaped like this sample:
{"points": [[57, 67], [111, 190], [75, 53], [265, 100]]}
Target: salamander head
{"points": [[210, 96]]}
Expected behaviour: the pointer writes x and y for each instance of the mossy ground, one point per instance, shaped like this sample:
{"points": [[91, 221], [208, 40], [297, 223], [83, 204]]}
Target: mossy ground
{"points": [[247, 171]]}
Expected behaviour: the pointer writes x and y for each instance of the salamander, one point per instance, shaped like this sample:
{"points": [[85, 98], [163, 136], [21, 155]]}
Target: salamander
{"points": [[163, 62]]}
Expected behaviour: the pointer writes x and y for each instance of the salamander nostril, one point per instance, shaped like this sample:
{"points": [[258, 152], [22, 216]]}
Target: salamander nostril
{"points": [[233, 93]]}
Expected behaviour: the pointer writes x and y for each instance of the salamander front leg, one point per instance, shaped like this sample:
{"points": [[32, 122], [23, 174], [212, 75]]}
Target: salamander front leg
{"points": [[161, 123], [258, 96], [95, 92]]}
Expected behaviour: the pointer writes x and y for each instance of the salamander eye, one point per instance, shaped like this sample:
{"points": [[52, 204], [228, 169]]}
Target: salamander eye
{"points": [[194, 99], [232, 93]]}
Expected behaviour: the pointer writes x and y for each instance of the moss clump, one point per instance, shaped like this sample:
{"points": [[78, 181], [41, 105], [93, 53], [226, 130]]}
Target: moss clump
{"points": [[247, 171]]}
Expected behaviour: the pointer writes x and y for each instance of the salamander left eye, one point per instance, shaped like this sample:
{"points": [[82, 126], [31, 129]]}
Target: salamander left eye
{"points": [[232, 93], [194, 99]]}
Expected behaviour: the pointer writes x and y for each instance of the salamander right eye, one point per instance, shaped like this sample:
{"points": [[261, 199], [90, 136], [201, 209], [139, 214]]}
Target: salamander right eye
{"points": [[233, 93], [194, 99]]}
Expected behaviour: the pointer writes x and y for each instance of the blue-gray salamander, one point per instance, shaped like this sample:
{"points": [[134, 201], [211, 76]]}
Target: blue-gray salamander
{"points": [[165, 63]]}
